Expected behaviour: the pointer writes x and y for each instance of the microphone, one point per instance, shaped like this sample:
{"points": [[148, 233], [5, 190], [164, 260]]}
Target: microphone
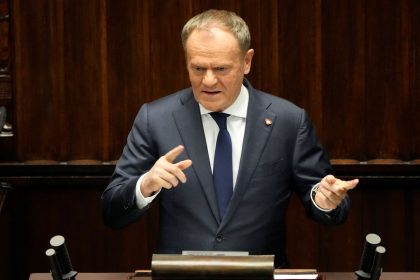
{"points": [[2, 117], [4, 187], [371, 261], [62, 255], [5, 128], [377, 263], [54, 264]]}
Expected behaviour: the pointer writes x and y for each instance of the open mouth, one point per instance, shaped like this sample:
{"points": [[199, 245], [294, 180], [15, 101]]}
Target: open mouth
{"points": [[211, 92]]}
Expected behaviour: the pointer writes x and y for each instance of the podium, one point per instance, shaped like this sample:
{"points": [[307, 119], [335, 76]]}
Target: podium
{"points": [[167, 267], [226, 267]]}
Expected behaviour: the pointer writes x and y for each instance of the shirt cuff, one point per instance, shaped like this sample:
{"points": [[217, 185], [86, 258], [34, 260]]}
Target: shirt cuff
{"points": [[142, 201], [313, 193]]}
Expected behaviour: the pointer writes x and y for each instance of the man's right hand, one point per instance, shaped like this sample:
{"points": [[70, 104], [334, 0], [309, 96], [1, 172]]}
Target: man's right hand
{"points": [[165, 173]]}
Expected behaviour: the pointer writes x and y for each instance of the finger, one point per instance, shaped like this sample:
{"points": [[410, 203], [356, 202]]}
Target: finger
{"points": [[178, 170], [155, 181], [328, 182], [173, 173], [184, 164], [338, 190], [330, 194], [172, 154], [323, 201], [349, 185], [169, 174], [166, 184], [330, 179]]}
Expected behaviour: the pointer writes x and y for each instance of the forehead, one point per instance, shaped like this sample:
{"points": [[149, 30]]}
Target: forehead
{"points": [[212, 43]]}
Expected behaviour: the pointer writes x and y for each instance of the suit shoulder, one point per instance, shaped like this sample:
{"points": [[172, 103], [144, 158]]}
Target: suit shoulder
{"points": [[278, 104], [172, 100], [163, 107]]}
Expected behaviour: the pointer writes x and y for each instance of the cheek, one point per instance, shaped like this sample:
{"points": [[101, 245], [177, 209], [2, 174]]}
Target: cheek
{"points": [[233, 81]]}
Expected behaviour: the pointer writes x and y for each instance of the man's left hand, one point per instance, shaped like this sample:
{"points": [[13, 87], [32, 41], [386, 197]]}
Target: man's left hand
{"points": [[332, 191]]}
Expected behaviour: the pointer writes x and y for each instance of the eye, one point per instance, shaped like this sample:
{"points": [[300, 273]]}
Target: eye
{"points": [[198, 68], [220, 69]]}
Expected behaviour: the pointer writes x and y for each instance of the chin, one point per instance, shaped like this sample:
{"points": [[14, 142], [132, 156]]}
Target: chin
{"points": [[212, 106]]}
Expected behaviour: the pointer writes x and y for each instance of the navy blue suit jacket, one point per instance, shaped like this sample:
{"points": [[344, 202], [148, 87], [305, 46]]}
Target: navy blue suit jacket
{"points": [[276, 160]]}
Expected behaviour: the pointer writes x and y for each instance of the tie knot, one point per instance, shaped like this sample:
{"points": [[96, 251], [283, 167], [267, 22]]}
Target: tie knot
{"points": [[220, 119]]}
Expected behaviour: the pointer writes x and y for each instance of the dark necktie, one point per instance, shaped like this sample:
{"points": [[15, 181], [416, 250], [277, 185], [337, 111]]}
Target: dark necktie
{"points": [[222, 166]]}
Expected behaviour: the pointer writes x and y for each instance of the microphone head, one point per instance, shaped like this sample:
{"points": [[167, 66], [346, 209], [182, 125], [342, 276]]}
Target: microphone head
{"points": [[50, 252], [373, 238], [380, 250], [57, 241]]}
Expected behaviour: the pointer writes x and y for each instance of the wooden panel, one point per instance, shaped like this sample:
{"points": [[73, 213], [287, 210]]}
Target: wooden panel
{"points": [[79, 84], [300, 55], [387, 123], [266, 31], [129, 54], [38, 81], [59, 79], [414, 74], [168, 68], [84, 97], [343, 78], [299, 228]]}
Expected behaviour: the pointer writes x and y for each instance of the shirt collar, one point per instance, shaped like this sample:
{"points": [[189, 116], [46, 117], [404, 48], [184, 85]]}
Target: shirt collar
{"points": [[238, 108]]}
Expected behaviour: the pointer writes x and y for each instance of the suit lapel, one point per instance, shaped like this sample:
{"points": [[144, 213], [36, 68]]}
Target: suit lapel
{"points": [[257, 132], [190, 126]]}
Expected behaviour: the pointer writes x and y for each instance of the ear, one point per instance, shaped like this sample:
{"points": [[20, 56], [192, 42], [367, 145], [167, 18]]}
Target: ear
{"points": [[248, 61]]}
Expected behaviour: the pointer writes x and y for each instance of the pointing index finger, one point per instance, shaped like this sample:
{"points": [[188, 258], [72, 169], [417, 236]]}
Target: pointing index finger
{"points": [[348, 185], [172, 154]]}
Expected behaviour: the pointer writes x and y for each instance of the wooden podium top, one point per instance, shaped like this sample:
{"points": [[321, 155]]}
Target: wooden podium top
{"points": [[325, 276]]}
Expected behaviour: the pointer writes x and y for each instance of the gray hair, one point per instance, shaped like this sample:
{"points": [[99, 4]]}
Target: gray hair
{"points": [[220, 18]]}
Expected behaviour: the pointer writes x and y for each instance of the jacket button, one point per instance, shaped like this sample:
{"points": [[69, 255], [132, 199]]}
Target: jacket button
{"points": [[219, 238]]}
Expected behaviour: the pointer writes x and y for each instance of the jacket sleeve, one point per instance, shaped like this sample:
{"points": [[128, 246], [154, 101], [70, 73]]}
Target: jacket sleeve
{"points": [[118, 200], [310, 165]]}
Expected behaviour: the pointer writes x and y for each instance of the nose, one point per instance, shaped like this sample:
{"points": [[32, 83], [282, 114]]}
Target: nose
{"points": [[209, 79]]}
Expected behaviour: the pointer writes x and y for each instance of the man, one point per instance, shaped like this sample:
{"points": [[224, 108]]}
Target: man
{"points": [[173, 152]]}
